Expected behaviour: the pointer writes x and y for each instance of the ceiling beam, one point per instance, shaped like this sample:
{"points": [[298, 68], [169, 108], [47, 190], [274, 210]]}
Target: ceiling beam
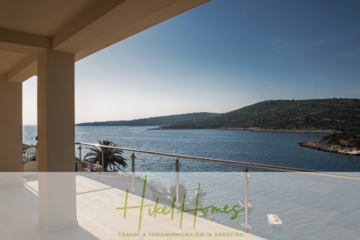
{"points": [[21, 42], [106, 23], [23, 70], [75, 36], [124, 31], [111, 21]]}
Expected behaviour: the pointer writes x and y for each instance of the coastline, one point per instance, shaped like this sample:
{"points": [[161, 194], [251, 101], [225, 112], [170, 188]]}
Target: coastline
{"points": [[319, 145], [257, 129], [312, 144]]}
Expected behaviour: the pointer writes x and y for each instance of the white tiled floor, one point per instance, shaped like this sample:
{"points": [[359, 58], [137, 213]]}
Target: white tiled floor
{"points": [[97, 216]]}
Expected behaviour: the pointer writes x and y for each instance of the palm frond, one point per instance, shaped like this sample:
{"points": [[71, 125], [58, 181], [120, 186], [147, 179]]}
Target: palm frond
{"points": [[113, 158]]}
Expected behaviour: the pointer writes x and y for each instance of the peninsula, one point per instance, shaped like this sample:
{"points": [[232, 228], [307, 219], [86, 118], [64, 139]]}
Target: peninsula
{"points": [[343, 143], [155, 121], [314, 115], [337, 116]]}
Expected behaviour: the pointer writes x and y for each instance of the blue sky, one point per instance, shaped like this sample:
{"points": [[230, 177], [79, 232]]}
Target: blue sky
{"points": [[221, 56]]}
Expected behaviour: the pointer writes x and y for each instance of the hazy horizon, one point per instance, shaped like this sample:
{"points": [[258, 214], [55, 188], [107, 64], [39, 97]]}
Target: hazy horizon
{"points": [[111, 120]]}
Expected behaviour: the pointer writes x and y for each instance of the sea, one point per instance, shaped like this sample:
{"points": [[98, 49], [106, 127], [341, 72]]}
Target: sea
{"points": [[310, 206]]}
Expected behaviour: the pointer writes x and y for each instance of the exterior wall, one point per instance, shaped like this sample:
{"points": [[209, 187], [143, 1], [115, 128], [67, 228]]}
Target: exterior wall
{"points": [[10, 126], [10, 133]]}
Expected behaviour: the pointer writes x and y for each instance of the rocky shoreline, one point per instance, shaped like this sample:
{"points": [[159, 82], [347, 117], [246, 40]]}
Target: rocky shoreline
{"points": [[321, 146]]}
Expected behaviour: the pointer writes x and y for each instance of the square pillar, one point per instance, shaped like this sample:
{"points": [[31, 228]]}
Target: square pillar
{"points": [[11, 163], [56, 138]]}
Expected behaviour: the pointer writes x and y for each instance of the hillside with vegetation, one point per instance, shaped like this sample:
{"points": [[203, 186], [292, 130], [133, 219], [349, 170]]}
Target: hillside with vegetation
{"points": [[322, 115], [154, 121]]}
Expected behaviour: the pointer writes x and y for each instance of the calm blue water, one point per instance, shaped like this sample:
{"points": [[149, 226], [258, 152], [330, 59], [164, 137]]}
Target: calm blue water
{"points": [[280, 149], [311, 207]]}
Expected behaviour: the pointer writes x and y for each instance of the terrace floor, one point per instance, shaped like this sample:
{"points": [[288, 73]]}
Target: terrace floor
{"points": [[98, 217]]}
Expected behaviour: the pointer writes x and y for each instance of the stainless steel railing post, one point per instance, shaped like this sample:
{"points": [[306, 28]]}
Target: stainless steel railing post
{"points": [[36, 153], [102, 164], [246, 175], [80, 161], [246, 198], [177, 169], [133, 171]]}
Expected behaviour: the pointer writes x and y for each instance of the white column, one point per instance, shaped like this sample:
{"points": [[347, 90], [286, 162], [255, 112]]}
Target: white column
{"points": [[56, 138], [11, 164]]}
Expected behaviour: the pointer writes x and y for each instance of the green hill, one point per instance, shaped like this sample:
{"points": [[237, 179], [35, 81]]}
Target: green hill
{"points": [[286, 115], [154, 121]]}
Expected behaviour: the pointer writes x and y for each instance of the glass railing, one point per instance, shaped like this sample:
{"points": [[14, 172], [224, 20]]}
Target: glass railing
{"points": [[272, 202], [29, 154]]}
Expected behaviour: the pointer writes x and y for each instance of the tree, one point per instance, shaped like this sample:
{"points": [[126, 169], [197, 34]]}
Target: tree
{"points": [[113, 158], [182, 191], [192, 202]]}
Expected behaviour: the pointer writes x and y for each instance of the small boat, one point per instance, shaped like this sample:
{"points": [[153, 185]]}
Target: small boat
{"points": [[274, 220], [242, 204], [202, 192]]}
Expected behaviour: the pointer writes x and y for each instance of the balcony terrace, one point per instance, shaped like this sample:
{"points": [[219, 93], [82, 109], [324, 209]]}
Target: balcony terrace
{"points": [[305, 200], [97, 216]]}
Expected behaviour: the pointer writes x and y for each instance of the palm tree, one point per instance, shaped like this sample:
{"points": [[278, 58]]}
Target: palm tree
{"points": [[113, 158], [182, 191]]}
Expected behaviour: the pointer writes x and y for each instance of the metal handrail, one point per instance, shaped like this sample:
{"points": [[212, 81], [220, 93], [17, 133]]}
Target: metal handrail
{"points": [[243, 164], [34, 145]]}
